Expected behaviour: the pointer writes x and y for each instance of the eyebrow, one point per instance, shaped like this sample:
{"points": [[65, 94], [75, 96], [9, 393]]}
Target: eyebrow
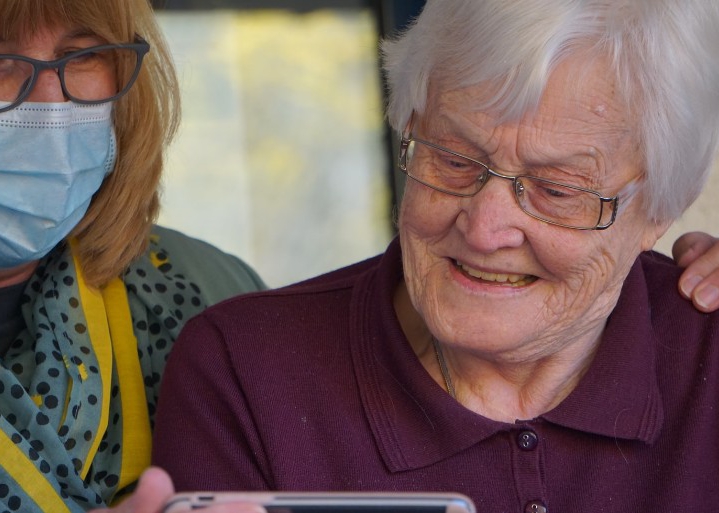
{"points": [[455, 129], [75, 33], [82, 32]]}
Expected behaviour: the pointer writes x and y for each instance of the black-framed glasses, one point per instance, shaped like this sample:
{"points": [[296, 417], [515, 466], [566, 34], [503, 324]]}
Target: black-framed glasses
{"points": [[85, 74], [569, 206]]}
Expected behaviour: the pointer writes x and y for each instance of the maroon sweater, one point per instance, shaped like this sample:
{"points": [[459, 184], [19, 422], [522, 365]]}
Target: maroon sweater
{"points": [[314, 387]]}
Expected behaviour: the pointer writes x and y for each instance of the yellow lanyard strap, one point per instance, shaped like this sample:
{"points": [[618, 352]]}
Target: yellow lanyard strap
{"points": [[109, 325]]}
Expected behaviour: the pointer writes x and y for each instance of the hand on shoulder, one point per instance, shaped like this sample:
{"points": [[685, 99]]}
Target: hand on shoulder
{"points": [[699, 253]]}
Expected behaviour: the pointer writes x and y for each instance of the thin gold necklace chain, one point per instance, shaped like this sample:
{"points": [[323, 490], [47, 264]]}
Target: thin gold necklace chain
{"points": [[443, 368]]}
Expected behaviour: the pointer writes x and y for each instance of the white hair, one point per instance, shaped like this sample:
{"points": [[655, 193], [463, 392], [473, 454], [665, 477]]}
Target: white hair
{"points": [[665, 54]]}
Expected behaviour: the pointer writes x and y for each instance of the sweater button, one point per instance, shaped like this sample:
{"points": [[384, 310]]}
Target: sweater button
{"points": [[527, 440], [535, 507]]}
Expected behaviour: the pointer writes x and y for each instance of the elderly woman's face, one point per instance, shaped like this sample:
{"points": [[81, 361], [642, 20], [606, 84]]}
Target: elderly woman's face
{"points": [[485, 275]]}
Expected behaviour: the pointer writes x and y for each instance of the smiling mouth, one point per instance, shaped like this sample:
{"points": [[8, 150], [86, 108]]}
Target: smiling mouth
{"points": [[508, 280]]}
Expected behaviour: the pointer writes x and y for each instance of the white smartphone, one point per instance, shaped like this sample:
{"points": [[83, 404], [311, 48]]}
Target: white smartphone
{"points": [[329, 502]]}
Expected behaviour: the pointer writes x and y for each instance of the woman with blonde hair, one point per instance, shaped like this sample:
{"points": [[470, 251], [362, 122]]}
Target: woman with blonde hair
{"points": [[92, 293]]}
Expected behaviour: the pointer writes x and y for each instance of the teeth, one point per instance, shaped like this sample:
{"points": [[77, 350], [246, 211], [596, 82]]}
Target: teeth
{"points": [[515, 280]]}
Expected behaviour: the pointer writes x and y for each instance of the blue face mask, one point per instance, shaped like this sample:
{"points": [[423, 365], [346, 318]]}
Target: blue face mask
{"points": [[53, 158]]}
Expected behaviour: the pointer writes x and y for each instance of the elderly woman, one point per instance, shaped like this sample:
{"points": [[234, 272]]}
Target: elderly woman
{"points": [[516, 343], [92, 295]]}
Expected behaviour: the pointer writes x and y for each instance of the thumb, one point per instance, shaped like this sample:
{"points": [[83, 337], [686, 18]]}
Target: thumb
{"points": [[153, 490]]}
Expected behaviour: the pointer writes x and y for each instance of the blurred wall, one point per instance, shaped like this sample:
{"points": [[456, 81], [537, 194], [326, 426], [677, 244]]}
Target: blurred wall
{"points": [[280, 157]]}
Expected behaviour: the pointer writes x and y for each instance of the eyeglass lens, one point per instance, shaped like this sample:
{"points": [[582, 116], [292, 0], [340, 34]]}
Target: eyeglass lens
{"points": [[93, 75], [558, 203], [538, 197]]}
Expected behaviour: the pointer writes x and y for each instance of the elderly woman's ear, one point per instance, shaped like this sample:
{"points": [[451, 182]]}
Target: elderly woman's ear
{"points": [[699, 253], [654, 232]]}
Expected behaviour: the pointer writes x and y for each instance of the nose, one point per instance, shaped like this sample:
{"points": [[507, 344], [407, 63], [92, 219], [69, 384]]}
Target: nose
{"points": [[47, 88], [491, 219]]}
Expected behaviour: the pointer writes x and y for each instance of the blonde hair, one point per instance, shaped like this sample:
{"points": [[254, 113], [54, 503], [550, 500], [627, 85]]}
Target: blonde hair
{"points": [[665, 56], [115, 229]]}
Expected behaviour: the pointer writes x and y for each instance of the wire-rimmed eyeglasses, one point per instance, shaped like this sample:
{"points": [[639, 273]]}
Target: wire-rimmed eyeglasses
{"points": [[79, 73], [569, 206]]}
